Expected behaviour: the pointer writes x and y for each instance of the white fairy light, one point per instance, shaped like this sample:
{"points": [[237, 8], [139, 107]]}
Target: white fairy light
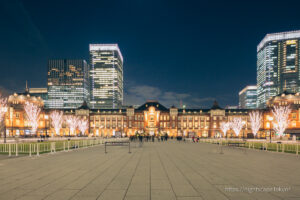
{"points": [[72, 122], [281, 115], [237, 125], [33, 114], [83, 125], [57, 120], [225, 126], [255, 120]]}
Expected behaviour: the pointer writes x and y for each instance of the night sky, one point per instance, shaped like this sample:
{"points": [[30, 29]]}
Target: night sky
{"points": [[194, 51]]}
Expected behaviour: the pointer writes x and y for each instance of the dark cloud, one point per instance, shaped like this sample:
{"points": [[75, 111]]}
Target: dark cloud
{"points": [[139, 94]]}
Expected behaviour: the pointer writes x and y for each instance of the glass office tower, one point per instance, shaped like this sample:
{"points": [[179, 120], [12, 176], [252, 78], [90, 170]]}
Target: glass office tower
{"points": [[277, 65], [68, 83], [248, 97], [106, 75]]}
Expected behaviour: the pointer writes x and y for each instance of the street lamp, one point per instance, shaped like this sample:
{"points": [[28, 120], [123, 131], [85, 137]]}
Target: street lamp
{"points": [[4, 110], [270, 119], [69, 121], [243, 122], [46, 118]]}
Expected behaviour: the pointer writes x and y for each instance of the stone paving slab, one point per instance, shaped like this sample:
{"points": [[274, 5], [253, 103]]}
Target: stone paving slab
{"points": [[161, 170]]}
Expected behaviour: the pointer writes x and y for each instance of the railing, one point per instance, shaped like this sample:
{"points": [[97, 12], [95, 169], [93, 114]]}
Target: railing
{"points": [[38, 148], [263, 145]]}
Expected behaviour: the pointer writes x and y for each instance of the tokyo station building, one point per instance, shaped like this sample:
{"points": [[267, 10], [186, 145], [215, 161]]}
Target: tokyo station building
{"points": [[151, 118]]}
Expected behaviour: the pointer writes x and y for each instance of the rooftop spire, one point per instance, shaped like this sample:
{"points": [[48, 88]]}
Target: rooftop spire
{"points": [[26, 89]]}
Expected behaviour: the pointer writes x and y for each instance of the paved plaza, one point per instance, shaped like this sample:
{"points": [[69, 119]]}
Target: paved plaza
{"points": [[161, 170]]}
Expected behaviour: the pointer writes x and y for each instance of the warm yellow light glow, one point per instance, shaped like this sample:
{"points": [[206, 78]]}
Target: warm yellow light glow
{"points": [[291, 41]]}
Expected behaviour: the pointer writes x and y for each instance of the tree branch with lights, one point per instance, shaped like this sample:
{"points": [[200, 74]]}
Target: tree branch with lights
{"points": [[83, 125], [225, 126], [3, 110], [255, 120], [72, 122], [237, 125], [281, 121], [57, 120], [33, 113]]}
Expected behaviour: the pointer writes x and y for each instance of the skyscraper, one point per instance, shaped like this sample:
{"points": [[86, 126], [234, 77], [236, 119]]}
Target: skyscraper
{"points": [[277, 65], [68, 83], [248, 97], [106, 76]]}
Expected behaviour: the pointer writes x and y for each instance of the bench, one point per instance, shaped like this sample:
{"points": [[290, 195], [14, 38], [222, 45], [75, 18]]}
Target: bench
{"points": [[117, 143], [237, 144]]}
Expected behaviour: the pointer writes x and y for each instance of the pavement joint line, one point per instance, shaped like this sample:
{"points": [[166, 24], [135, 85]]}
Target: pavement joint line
{"points": [[187, 166], [133, 174], [150, 175], [169, 157], [131, 156], [34, 158], [54, 172], [231, 183], [60, 177], [166, 173], [206, 179], [102, 163], [103, 172]]}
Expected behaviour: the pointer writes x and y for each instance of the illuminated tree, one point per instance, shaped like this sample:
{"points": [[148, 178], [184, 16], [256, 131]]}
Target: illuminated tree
{"points": [[255, 119], [33, 114], [281, 115], [3, 108], [237, 125], [72, 122], [83, 125], [57, 120], [225, 126]]}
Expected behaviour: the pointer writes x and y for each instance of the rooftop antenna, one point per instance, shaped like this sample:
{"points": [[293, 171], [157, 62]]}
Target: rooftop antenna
{"points": [[26, 89]]}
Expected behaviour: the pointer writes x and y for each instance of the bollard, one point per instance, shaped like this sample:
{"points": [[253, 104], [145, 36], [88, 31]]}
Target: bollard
{"points": [[30, 150], [266, 146], [38, 149], [54, 147], [68, 145], [64, 146], [129, 147], [9, 149], [17, 153]]}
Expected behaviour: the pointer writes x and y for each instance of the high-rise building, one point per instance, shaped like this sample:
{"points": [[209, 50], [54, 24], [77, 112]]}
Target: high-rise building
{"points": [[277, 65], [248, 97], [68, 83], [106, 75]]}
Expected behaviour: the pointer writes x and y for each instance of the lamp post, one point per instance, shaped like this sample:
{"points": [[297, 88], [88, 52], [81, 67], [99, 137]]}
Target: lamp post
{"points": [[270, 128], [69, 121], [46, 127], [4, 109], [243, 130]]}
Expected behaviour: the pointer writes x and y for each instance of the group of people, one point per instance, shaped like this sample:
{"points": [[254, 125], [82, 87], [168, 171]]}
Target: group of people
{"points": [[159, 138], [195, 139], [148, 138]]}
